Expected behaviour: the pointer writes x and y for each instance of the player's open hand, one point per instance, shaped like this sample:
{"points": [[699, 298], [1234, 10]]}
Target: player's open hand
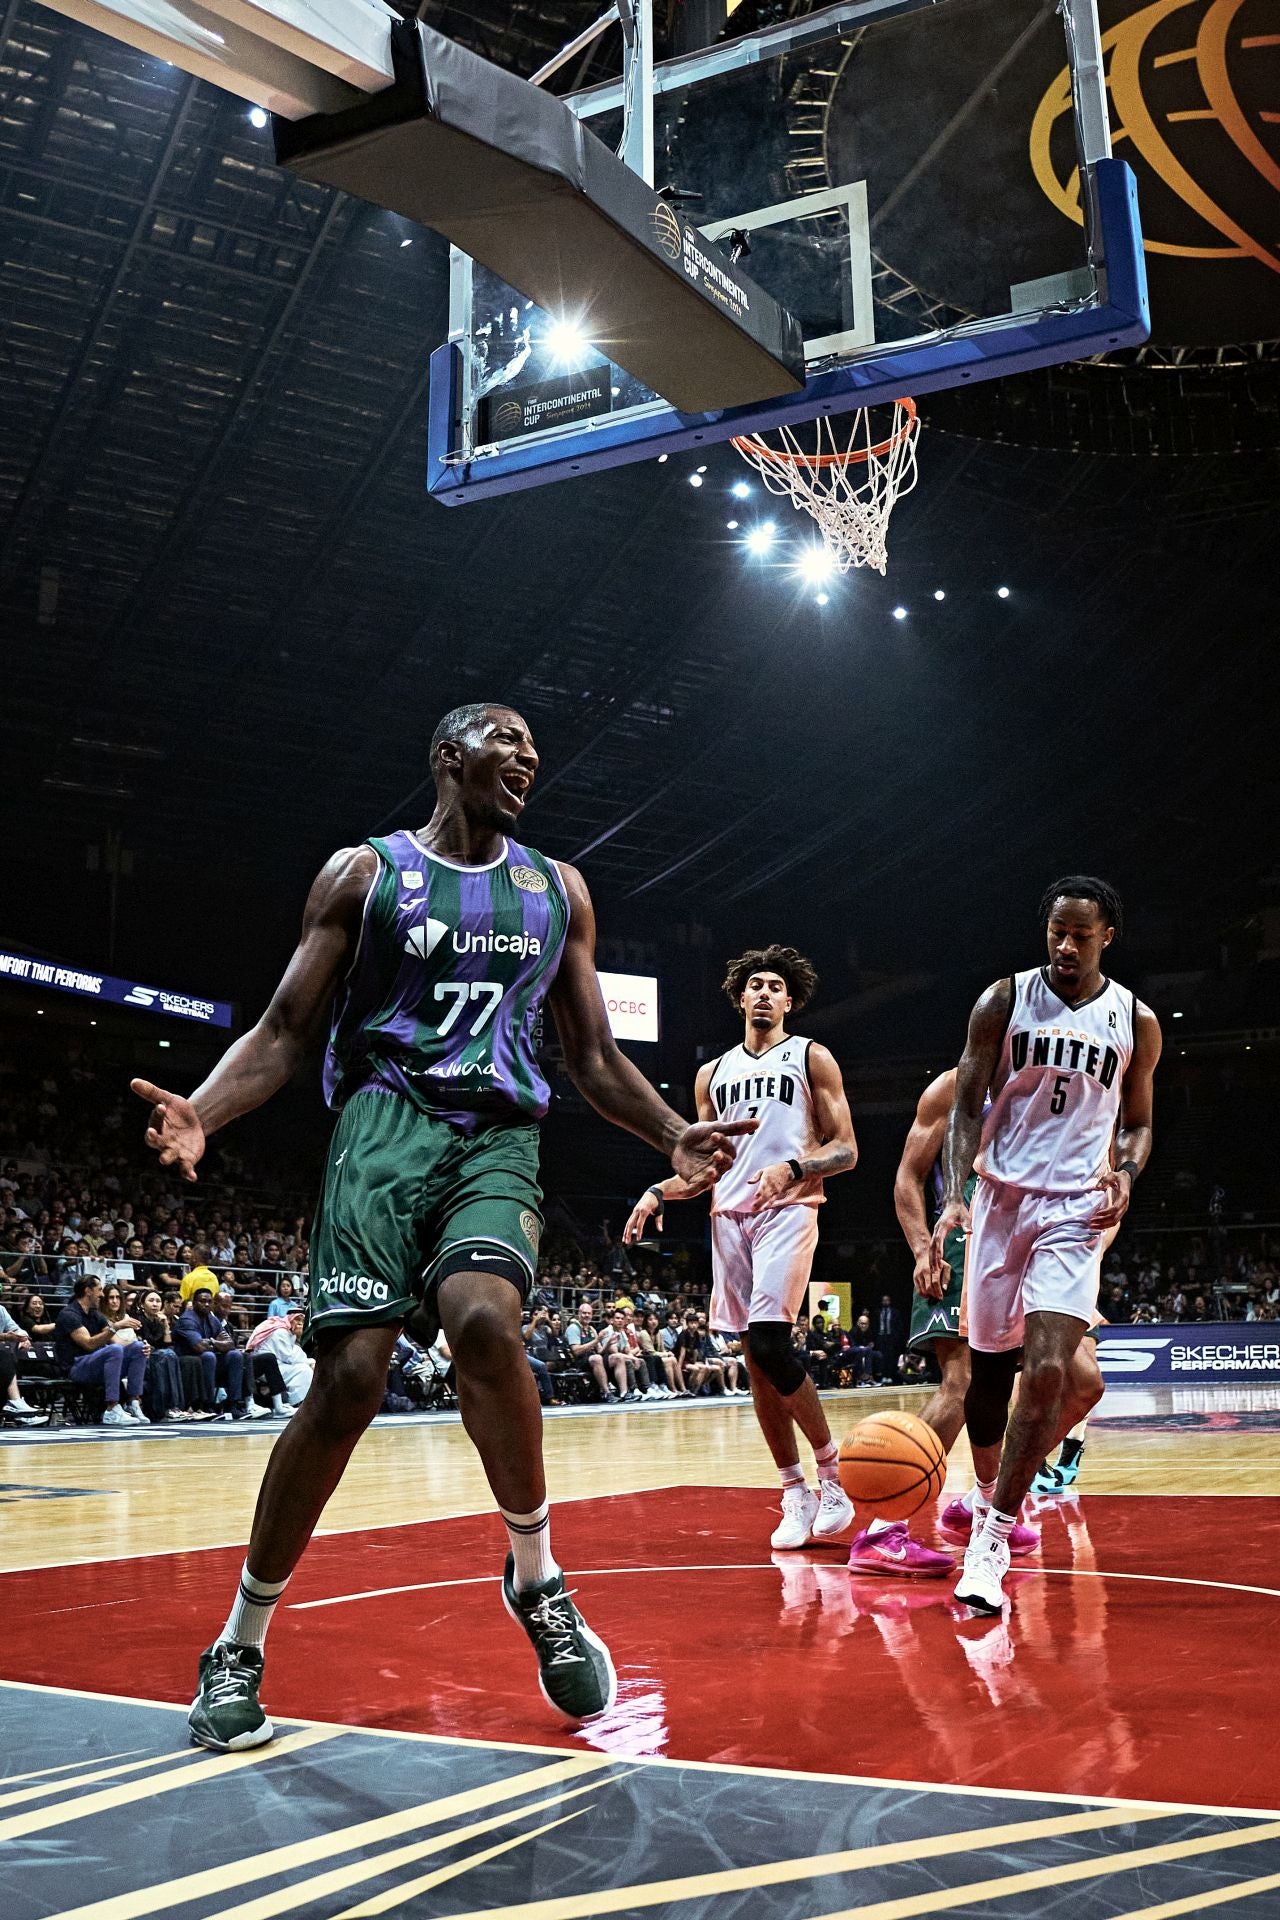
{"points": [[175, 1132], [954, 1218], [928, 1284], [770, 1184], [1115, 1188], [648, 1207], [705, 1150]]}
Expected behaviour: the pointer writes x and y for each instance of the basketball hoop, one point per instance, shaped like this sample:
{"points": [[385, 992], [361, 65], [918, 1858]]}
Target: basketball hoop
{"points": [[849, 489]]}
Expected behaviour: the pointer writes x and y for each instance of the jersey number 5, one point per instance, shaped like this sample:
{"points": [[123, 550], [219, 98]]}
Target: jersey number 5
{"points": [[1059, 1100], [461, 991]]}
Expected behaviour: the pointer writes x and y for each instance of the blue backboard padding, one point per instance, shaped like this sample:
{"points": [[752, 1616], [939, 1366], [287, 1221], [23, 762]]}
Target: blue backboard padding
{"points": [[1123, 320]]}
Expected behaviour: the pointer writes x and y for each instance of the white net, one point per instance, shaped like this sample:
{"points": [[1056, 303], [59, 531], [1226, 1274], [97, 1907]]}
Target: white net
{"points": [[848, 484]]}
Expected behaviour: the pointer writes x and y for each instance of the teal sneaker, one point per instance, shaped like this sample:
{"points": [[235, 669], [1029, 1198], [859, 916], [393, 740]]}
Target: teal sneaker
{"points": [[1047, 1480], [575, 1672], [225, 1714]]}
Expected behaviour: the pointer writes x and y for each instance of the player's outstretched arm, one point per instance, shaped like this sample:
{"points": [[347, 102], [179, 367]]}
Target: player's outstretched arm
{"points": [[263, 1059], [919, 1154], [602, 1073], [987, 1024], [1133, 1136], [839, 1150]]}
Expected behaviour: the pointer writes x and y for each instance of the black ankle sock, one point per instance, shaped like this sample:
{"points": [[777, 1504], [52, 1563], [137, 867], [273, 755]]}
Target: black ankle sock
{"points": [[1071, 1451]]}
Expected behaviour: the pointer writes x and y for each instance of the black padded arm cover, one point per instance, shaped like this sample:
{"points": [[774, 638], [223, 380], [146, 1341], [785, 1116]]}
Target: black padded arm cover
{"points": [[510, 174]]}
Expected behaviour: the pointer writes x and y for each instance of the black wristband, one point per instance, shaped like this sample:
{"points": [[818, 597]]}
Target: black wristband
{"points": [[1130, 1167], [797, 1171], [657, 1193]]}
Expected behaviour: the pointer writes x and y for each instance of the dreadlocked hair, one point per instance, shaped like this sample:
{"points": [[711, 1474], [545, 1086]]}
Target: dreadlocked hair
{"points": [[800, 974], [1085, 886]]}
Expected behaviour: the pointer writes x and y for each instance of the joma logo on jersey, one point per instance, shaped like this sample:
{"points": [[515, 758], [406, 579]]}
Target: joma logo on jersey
{"points": [[358, 1285], [1076, 1055], [522, 944], [759, 1086]]}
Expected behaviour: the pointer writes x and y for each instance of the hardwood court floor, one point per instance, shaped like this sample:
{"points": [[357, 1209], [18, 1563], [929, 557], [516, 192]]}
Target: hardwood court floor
{"points": [[767, 1702]]}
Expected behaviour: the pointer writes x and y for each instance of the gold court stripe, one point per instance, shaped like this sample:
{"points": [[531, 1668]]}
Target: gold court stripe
{"points": [[304, 1853], [396, 1896], [1197, 1902], [303, 1893], [1046, 1877], [68, 1766], [214, 1767], [88, 1779], [775, 1873]]}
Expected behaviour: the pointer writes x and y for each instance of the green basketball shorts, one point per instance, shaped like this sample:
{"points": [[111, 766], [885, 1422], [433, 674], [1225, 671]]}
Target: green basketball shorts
{"points": [[940, 1319], [408, 1199]]}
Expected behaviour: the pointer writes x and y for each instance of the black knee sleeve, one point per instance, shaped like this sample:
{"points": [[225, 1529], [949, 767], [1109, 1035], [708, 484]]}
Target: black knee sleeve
{"points": [[768, 1345], [986, 1404]]}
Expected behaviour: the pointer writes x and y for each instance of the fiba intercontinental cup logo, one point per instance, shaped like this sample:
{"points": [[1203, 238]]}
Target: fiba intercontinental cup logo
{"points": [[666, 230], [1182, 79], [509, 417]]}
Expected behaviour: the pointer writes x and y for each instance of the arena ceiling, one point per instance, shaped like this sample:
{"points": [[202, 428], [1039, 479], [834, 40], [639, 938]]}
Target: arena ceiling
{"points": [[231, 614]]}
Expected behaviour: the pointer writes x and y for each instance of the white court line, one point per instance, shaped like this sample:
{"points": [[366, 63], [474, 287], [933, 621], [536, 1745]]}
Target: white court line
{"points": [[766, 1566], [637, 1761]]}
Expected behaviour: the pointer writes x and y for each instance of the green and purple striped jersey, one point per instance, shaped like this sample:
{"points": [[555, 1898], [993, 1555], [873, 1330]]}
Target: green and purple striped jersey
{"points": [[443, 1002]]}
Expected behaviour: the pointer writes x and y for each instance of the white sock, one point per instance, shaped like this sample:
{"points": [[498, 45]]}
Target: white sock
{"points": [[985, 1493], [251, 1610], [882, 1526], [966, 1499], [997, 1525], [530, 1537], [791, 1476], [827, 1460]]}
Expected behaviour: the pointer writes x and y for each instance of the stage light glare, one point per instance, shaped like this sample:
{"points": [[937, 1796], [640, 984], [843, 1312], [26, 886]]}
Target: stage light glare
{"points": [[695, 479], [1002, 593], [815, 565], [760, 538], [257, 117], [566, 342], [899, 613], [822, 599], [405, 243], [938, 594], [731, 524], [740, 489]]}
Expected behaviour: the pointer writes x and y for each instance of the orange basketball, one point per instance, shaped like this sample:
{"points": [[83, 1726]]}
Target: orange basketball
{"points": [[893, 1464]]}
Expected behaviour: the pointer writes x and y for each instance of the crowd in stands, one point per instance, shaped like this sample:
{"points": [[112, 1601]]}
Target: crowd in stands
{"points": [[1192, 1277]]}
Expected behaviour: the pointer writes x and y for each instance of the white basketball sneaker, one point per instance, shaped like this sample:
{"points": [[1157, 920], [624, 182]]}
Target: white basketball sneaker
{"points": [[799, 1511], [981, 1582], [835, 1511]]}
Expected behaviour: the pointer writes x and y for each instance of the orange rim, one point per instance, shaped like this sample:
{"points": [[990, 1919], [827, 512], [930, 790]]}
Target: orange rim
{"points": [[751, 443]]}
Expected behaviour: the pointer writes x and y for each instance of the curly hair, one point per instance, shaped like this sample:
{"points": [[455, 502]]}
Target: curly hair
{"points": [[1085, 886], [800, 974]]}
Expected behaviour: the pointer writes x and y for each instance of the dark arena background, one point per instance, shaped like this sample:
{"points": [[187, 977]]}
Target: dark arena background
{"points": [[231, 616]]}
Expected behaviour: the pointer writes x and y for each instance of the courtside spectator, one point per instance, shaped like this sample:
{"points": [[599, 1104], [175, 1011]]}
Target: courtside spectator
{"points": [[276, 1338], [88, 1352], [199, 1333], [35, 1319], [165, 1393], [283, 1304], [586, 1343], [13, 1344]]}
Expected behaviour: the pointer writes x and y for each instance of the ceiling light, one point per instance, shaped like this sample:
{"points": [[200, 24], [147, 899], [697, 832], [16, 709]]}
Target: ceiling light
{"points": [[815, 565], [740, 489], [822, 599], [1177, 1016], [566, 342], [1002, 593], [731, 524], [701, 469], [662, 459], [938, 594], [257, 117], [406, 243], [760, 538], [899, 613], [695, 479], [163, 1043]]}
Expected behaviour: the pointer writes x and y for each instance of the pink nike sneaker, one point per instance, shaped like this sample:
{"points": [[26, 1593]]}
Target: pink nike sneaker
{"points": [[894, 1551], [957, 1520]]}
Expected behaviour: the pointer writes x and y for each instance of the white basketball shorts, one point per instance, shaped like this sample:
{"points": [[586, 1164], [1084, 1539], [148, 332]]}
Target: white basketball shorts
{"points": [[1029, 1253], [760, 1265]]}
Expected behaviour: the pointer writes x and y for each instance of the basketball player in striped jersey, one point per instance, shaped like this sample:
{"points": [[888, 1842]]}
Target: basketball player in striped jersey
{"points": [[435, 952], [1069, 1057], [764, 1224]]}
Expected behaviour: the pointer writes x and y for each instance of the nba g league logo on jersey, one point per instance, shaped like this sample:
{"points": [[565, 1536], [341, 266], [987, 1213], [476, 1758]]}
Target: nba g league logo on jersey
{"points": [[1076, 1052]]}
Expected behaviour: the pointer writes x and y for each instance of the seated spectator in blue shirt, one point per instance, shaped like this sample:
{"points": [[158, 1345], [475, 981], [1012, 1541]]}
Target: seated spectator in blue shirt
{"points": [[283, 1304], [90, 1352], [199, 1332]]}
